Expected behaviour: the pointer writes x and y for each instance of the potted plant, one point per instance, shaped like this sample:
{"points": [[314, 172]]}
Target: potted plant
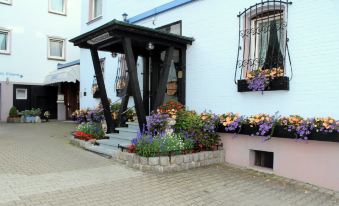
{"points": [[47, 115], [14, 116]]}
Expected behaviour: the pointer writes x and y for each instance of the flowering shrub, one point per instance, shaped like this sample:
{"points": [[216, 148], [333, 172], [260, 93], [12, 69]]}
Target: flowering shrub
{"points": [[171, 108], [149, 146], [80, 115], [187, 120], [264, 122], [260, 78], [158, 123], [231, 121], [82, 136], [209, 122], [94, 130]]}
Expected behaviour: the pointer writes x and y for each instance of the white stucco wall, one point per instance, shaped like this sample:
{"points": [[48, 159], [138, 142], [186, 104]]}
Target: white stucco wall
{"points": [[313, 29], [31, 23]]}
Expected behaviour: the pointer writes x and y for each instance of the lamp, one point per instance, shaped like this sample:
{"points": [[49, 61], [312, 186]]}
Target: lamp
{"points": [[124, 17], [150, 46], [114, 54]]}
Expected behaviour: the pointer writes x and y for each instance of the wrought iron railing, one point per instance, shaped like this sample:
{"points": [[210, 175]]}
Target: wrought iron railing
{"points": [[121, 79], [263, 39]]}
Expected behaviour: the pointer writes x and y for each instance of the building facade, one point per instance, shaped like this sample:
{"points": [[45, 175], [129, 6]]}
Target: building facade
{"points": [[293, 43], [212, 58], [33, 41]]}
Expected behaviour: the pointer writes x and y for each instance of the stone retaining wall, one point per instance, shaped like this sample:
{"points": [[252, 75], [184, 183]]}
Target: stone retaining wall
{"points": [[171, 164]]}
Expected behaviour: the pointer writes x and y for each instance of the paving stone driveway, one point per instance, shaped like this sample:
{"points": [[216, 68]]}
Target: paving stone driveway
{"points": [[38, 166]]}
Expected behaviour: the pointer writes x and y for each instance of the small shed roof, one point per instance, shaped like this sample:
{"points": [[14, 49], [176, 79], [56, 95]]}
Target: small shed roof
{"points": [[108, 38]]}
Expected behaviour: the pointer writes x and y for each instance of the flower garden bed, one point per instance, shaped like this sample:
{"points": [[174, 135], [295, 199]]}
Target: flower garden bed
{"points": [[165, 164]]}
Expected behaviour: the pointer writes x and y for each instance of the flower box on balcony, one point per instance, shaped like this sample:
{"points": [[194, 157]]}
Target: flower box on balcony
{"points": [[278, 83]]}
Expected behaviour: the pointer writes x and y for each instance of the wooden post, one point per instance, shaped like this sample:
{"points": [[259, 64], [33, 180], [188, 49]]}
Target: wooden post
{"points": [[103, 94], [146, 84], [134, 83], [159, 99], [182, 82], [155, 68]]}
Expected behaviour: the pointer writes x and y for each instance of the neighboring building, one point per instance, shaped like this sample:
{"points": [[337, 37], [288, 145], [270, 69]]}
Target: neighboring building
{"points": [[33, 41], [228, 42]]}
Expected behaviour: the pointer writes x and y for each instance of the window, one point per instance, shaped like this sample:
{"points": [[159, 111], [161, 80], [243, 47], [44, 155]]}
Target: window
{"points": [[57, 6], [173, 28], [262, 48], [268, 43], [21, 94], [4, 41], [95, 8], [9, 2], [56, 48], [263, 159]]}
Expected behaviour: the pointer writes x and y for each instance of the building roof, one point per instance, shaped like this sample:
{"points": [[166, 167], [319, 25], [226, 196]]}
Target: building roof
{"points": [[108, 37]]}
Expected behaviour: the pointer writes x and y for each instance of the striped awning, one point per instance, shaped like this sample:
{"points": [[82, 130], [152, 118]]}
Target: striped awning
{"points": [[68, 74]]}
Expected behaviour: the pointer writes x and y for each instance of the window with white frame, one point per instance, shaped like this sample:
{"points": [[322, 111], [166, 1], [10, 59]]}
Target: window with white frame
{"points": [[56, 48], [5, 37], [21, 94], [95, 9], [9, 2], [57, 6]]}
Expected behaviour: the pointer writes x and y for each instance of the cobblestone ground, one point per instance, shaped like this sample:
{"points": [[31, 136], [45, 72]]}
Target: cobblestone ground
{"points": [[38, 166]]}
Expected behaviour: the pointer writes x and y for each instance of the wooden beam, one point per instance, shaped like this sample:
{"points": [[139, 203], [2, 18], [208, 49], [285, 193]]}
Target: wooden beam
{"points": [[103, 94], [145, 75], [182, 80], [159, 99], [155, 68], [134, 83]]}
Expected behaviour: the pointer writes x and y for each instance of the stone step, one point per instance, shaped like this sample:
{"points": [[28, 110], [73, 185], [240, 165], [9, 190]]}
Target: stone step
{"points": [[133, 125], [113, 142], [127, 133], [122, 136], [105, 151]]}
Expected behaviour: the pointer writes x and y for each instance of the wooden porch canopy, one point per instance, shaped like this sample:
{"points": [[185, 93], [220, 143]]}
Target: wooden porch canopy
{"points": [[131, 40]]}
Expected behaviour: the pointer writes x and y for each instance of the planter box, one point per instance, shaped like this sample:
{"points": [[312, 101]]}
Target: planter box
{"points": [[279, 83], [13, 119], [281, 132], [173, 163]]}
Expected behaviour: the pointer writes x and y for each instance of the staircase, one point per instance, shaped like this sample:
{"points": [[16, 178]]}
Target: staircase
{"points": [[108, 147]]}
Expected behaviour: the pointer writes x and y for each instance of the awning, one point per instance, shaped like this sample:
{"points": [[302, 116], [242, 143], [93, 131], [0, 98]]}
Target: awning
{"points": [[68, 74]]}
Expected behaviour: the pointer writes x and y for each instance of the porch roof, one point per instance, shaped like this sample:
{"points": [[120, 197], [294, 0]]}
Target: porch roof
{"points": [[108, 37]]}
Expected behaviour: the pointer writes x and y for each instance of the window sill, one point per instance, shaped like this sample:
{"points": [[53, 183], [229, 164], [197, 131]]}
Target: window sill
{"points": [[57, 13], [279, 83], [56, 58], [94, 20], [6, 3], [5, 52]]}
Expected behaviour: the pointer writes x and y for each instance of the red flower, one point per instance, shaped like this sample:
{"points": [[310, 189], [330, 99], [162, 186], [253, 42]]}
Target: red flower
{"points": [[83, 136]]}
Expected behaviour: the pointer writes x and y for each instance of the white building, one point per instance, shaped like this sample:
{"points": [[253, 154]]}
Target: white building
{"points": [[33, 41], [211, 60], [228, 43]]}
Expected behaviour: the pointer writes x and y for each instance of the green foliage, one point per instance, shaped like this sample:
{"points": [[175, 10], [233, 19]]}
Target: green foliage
{"points": [[187, 120], [206, 140], [149, 146], [13, 112], [94, 129], [32, 112], [115, 107]]}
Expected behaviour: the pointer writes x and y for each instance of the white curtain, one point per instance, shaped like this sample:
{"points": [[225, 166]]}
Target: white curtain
{"points": [[97, 8], [57, 5], [3, 41], [264, 35], [56, 48]]}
